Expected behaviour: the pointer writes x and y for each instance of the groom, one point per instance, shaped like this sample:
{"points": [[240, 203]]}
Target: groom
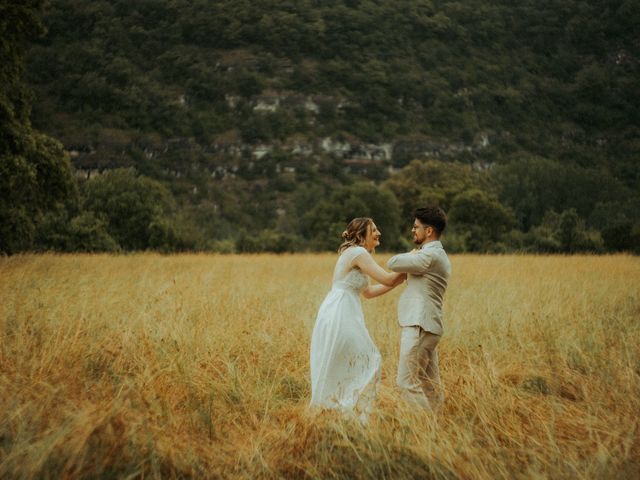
{"points": [[420, 309]]}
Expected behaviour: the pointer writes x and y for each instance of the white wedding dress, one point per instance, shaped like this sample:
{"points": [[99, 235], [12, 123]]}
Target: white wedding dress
{"points": [[345, 363]]}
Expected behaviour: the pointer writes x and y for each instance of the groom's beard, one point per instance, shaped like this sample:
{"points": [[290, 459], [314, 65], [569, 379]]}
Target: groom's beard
{"points": [[420, 240]]}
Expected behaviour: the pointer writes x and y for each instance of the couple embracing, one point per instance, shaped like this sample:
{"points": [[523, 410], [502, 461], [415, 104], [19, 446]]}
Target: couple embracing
{"points": [[345, 363]]}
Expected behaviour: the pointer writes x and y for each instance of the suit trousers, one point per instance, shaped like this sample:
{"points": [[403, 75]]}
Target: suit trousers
{"points": [[418, 373]]}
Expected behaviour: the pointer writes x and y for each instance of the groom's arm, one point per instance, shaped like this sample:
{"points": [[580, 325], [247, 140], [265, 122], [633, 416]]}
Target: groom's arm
{"points": [[416, 263]]}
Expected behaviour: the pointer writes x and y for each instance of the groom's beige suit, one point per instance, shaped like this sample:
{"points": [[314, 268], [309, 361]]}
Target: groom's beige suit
{"points": [[420, 316]]}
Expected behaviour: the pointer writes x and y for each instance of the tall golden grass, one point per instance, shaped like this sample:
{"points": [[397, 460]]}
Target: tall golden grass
{"points": [[197, 366]]}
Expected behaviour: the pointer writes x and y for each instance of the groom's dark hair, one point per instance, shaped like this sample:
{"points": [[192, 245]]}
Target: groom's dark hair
{"points": [[432, 215]]}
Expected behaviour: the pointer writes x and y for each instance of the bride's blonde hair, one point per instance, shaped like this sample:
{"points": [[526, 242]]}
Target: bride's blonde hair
{"points": [[356, 233]]}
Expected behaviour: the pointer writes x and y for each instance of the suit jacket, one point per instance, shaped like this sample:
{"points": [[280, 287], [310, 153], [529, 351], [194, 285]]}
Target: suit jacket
{"points": [[428, 272]]}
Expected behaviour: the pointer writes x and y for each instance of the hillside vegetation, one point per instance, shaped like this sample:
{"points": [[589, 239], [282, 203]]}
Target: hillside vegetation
{"points": [[253, 116]]}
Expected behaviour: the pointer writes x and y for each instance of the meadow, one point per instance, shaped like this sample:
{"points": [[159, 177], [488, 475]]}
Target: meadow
{"points": [[151, 366]]}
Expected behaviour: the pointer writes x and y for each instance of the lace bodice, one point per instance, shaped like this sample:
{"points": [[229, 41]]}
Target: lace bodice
{"points": [[344, 276]]}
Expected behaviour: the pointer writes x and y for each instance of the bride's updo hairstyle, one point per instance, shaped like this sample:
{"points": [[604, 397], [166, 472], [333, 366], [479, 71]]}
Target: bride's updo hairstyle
{"points": [[355, 233]]}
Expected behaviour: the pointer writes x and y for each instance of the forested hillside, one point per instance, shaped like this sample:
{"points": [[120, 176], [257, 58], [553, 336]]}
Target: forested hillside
{"points": [[240, 125]]}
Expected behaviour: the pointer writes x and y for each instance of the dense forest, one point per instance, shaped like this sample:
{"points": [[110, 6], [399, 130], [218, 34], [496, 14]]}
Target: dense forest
{"points": [[244, 126]]}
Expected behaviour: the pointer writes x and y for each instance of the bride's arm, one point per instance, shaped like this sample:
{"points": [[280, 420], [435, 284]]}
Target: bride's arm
{"points": [[373, 291], [388, 280], [368, 265]]}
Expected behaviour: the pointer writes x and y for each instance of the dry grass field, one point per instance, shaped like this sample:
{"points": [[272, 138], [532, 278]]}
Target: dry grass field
{"points": [[197, 366]]}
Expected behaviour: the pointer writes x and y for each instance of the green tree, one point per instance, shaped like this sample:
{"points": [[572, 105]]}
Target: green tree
{"points": [[479, 218], [622, 235], [563, 232], [83, 233], [88, 233], [570, 232], [532, 186], [433, 182], [618, 223], [324, 223], [135, 208], [35, 173]]}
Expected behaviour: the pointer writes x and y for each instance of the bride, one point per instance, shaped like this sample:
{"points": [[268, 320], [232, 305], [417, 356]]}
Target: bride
{"points": [[345, 363]]}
